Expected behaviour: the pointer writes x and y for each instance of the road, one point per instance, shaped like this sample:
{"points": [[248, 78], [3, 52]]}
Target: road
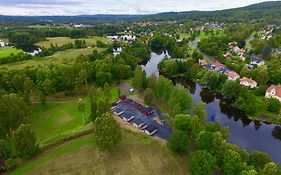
{"points": [[194, 44]]}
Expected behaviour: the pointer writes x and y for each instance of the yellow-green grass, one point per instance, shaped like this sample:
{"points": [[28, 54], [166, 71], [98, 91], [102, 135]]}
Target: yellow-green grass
{"points": [[203, 34], [137, 154], [56, 119], [58, 58], [7, 51], [64, 40]]}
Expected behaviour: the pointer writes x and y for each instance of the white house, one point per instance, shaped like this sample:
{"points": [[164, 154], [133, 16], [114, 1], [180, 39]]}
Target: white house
{"points": [[2, 43], [248, 82], [274, 92], [255, 61]]}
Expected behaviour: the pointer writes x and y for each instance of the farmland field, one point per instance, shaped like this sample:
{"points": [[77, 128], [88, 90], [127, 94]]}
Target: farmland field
{"points": [[7, 51], [57, 58], [137, 154], [64, 40]]}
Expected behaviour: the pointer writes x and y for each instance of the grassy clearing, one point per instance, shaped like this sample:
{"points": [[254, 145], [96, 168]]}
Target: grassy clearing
{"points": [[137, 154], [7, 51], [64, 40], [217, 32], [56, 119], [57, 58]]}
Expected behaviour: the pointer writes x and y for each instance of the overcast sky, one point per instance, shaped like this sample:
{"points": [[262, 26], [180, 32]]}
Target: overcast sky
{"points": [[90, 7]]}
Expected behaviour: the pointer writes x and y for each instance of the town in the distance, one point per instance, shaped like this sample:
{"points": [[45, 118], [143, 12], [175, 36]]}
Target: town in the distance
{"points": [[172, 93]]}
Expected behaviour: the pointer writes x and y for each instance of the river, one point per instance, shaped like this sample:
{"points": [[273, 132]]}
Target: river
{"points": [[248, 134]]}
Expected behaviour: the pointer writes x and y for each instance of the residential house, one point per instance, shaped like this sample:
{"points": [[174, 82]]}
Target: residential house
{"points": [[258, 62], [223, 70], [202, 62], [232, 75], [277, 50], [217, 65], [2, 43], [274, 92], [248, 82], [151, 129], [227, 55]]}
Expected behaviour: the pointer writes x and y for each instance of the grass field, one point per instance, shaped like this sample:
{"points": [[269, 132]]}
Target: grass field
{"points": [[57, 58], [138, 154], [57, 118], [64, 40], [7, 51]]}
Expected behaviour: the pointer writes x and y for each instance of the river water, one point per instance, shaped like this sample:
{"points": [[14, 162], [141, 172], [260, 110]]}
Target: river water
{"points": [[248, 134]]}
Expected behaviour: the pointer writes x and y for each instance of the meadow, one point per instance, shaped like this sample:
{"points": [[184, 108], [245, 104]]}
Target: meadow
{"points": [[7, 51], [64, 40], [58, 58], [137, 154]]}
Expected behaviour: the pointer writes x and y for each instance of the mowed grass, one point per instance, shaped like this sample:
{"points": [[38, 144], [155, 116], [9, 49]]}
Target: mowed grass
{"points": [[64, 40], [58, 58], [137, 154], [7, 51], [54, 120]]}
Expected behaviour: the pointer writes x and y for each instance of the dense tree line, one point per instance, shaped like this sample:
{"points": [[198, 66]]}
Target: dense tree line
{"points": [[213, 153]]}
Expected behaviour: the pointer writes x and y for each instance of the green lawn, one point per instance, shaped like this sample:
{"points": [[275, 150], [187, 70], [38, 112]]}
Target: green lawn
{"points": [[64, 40], [138, 154], [56, 119], [58, 58], [7, 51], [203, 34], [52, 120]]}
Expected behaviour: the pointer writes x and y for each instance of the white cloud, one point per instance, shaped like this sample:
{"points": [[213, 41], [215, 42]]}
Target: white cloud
{"points": [[90, 7]]}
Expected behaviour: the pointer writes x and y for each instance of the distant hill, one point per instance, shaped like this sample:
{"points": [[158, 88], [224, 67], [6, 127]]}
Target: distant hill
{"points": [[271, 11]]}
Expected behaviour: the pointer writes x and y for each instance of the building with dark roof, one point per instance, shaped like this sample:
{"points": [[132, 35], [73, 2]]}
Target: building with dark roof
{"points": [[136, 105], [127, 116], [147, 111], [138, 123], [151, 129], [122, 97], [128, 101], [118, 111]]}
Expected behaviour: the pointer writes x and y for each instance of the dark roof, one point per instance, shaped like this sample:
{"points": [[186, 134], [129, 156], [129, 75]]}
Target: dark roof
{"points": [[122, 96], [254, 59], [208, 66], [151, 128], [129, 100], [138, 121], [118, 110], [127, 115], [145, 109], [136, 104]]}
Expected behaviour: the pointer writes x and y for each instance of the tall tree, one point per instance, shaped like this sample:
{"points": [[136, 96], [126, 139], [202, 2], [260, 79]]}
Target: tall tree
{"points": [[107, 132], [202, 163], [148, 96], [178, 142], [24, 142], [81, 108], [13, 111], [182, 122], [200, 111]]}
